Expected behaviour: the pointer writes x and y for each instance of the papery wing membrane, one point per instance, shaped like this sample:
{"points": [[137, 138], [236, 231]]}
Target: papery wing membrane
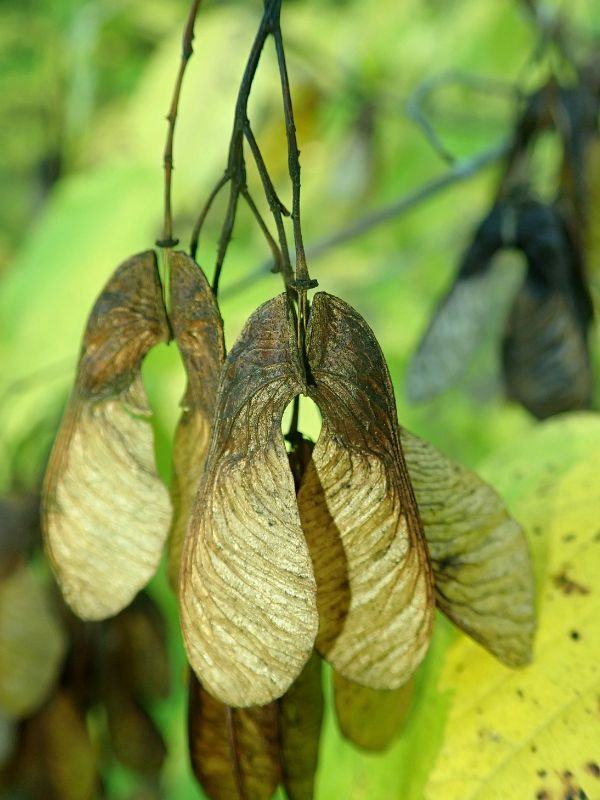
{"points": [[300, 718], [374, 585], [545, 353], [481, 563], [198, 331], [370, 718], [247, 590], [456, 327], [105, 512], [234, 751]]}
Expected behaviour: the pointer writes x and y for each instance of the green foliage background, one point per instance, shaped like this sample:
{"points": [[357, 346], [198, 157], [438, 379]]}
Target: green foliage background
{"points": [[84, 88]]}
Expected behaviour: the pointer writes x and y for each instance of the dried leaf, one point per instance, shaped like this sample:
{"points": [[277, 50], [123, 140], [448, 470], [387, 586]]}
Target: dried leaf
{"points": [[234, 752], [32, 643], [300, 718], [545, 354], [8, 735], [19, 528], [198, 331], [67, 753], [247, 590], [139, 638], [106, 513], [374, 583], [370, 718], [136, 741], [461, 317], [481, 563]]}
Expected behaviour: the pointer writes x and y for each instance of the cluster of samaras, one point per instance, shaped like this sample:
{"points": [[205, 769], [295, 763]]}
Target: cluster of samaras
{"points": [[274, 555]]}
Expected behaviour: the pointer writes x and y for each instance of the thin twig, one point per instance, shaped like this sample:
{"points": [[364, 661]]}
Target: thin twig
{"points": [[275, 204], [270, 192], [460, 172], [277, 256], [302, 282], [302, 273], [407, 202], [414, 105], [292, 435], [236, 166], [186, 53], [203, 214]]}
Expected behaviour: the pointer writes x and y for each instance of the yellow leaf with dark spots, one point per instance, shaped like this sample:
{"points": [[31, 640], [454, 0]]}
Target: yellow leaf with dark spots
{"points": [[535, 732]]}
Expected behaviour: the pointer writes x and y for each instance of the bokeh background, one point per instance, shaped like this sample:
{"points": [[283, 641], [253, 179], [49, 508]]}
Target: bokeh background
{"points": [[84, 90]]}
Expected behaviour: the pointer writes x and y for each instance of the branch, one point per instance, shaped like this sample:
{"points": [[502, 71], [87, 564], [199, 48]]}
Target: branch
{"points": [[235, 174], [204, 213], [186, 53], [278, 210], [277, 256], [414, 106], [303, 280], [460, 172]]}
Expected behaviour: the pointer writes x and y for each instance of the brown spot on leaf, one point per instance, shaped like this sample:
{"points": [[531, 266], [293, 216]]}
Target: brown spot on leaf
{"points": [[593, 769], [575, 635], [572, 790], [567, 585], [492, 736], [543, 794]]}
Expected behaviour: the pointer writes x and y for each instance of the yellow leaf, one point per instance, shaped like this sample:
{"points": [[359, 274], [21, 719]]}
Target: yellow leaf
{"points": [[536, 732]]}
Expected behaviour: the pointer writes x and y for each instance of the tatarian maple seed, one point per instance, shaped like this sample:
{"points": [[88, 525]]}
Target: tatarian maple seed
{"points": [[105, 512], [370, 718], [234, 751], [247, 590], [198, 332], [300, 718], [33, 643], [358, 511], [481, 563]]}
